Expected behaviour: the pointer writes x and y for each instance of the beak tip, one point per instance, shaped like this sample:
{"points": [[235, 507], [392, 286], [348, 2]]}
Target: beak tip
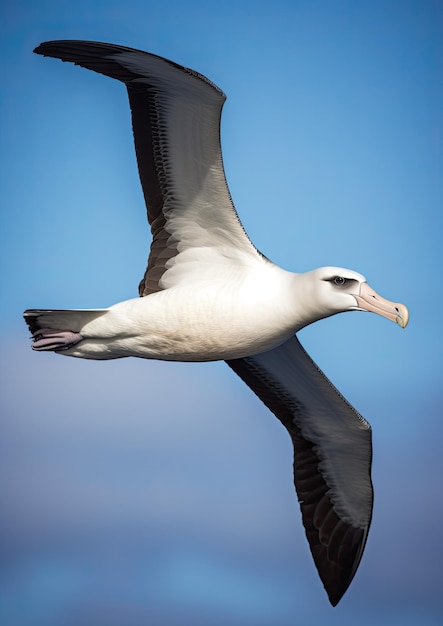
{"points": [[403, 319]]}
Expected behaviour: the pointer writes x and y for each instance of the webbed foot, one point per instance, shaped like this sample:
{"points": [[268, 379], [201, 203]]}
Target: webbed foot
{"points": [[52, 339]]}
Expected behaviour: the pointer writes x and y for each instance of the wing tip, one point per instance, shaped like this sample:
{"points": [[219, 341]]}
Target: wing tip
{"points": [[91, 54], [47, 48], [338, 574]]}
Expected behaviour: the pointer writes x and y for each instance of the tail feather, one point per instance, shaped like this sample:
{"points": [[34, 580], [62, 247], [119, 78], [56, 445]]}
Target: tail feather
{"points": [[58, 329]]}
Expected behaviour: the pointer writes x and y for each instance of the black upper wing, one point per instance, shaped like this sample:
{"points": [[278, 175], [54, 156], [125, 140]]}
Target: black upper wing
{"points": [[176, 116], [332, 457]]}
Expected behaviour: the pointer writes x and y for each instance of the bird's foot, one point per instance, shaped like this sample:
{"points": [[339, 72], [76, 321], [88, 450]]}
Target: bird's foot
{"points": [[52, 339]]}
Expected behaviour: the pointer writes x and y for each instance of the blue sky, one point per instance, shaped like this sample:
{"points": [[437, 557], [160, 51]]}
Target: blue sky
{"points": [[145, 492]]}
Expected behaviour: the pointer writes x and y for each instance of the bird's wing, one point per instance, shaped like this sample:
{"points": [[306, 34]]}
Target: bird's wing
{"points": [[332, 457], [176, 124]]}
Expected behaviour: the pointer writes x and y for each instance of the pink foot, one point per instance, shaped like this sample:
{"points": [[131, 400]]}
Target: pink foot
{"points": [[51, 339]]}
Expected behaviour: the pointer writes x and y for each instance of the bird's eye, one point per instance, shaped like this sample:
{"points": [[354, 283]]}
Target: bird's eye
{"points": [[339, 280]]}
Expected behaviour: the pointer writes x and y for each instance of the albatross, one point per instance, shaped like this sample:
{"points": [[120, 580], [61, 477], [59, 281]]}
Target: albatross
{"points": [[208, 294]]}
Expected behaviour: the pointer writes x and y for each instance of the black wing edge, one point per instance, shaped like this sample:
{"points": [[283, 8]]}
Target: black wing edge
{"points": [[336, 546], [109, 60], [97, 56]]}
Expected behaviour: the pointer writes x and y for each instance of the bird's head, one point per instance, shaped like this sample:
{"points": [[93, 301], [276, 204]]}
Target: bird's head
{"points": [[336, 290]]}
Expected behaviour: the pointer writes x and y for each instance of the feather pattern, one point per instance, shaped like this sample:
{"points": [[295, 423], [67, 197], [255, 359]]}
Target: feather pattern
{"points": [[332, 457], [176, 124]]}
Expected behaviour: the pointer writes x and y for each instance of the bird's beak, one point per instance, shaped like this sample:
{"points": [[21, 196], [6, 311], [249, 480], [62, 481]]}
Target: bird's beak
{"points": [[369, 300]]}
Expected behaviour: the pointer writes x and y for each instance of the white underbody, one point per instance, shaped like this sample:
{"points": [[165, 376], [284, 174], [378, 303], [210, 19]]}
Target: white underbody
{"points": [[196, 322]]}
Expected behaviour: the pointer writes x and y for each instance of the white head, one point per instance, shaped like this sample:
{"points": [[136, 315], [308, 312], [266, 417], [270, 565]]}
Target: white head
{"points": [[333, 290]]}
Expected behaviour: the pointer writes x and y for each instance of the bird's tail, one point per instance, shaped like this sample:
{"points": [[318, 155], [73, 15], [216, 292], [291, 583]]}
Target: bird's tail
{"points": [[58, 329]]}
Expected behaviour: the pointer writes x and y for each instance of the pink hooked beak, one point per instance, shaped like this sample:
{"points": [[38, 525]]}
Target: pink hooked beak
{"points": [[369, 300]]}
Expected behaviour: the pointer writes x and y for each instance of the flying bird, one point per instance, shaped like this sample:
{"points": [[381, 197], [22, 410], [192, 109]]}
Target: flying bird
{"points": [[208, 294]]}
